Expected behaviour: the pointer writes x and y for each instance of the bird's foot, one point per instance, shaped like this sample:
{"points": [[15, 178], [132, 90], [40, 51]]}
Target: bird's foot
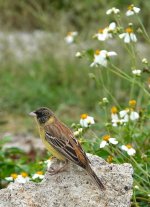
{"points": [[53, 171]]}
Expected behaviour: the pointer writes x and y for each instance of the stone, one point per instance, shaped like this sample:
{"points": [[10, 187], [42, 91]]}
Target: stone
{"points": [[74, 188], [26, 143]]}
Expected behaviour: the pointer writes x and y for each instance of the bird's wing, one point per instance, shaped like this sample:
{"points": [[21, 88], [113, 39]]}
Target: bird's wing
{"points": [[70, 148]]}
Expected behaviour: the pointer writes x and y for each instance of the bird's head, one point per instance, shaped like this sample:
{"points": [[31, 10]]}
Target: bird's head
{"points": [[42, 114]]}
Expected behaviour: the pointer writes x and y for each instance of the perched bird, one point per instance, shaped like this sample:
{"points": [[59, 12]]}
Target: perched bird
{"points": [[60, 141]]}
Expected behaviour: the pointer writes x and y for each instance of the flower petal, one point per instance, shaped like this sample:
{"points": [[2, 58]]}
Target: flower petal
{"points": [[103, 144], [9, 178], [134, 115], [112, 53], [114, 117], [136, 9], [133, 37], [129, 13], [92, 64], [127, 38], [123, 147], [113, 141], [131, 151], [112, 26], [123, 113], [121, 36], [109, 11]]}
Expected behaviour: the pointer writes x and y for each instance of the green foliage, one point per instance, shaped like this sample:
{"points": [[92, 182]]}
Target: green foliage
{"points": [[44, 83], [15, 160], [46, 14]]}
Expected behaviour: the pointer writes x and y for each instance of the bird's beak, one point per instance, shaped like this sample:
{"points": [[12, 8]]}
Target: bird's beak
{"points": [[32, 113]]}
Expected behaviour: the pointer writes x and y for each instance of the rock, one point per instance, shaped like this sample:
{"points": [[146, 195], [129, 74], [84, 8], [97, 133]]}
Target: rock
{"points": [[74, 188], [26, 143]]}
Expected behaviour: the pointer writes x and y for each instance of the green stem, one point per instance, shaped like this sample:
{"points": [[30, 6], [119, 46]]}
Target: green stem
{"points": [[107, 91], [144, 30], [144, 199], [132, 88], [140, 167]]}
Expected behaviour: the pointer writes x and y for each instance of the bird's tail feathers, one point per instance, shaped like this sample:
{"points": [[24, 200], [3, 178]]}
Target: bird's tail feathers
{"points": [[95, 178]]}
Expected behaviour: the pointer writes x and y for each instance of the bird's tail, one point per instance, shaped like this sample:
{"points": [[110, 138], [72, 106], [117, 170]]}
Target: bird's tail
{"points": [[95, 178]]}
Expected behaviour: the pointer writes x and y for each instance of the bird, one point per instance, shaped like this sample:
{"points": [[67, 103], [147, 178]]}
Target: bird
{"points": [[60, 141]]}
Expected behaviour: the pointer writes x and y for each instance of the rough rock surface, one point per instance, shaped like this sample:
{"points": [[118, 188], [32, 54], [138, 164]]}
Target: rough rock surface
{"points": [[74, 188]]}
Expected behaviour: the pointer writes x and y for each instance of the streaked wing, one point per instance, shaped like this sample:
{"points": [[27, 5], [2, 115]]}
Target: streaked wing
{"points": [[71, 149]]}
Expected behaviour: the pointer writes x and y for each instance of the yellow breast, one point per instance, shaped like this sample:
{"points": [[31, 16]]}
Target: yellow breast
{"points": [[54, 152]]}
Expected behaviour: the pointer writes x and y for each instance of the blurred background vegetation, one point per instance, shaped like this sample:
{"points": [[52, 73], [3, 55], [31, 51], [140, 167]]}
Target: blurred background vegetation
{"points": [[54, 78], [59, 15]]}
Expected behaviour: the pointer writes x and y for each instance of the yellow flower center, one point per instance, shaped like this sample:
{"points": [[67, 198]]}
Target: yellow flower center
{"points": [[100, 30], [129, 30], [106, 137], [39, 173], [130, 7], [24, 174], [69, 33], [114, 110], [97, 52], [84, 116], [132, 103], [129, 146], [14, 175], [109, 159]]}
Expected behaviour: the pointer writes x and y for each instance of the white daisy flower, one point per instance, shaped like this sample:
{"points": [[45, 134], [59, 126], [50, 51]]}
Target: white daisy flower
{"points": [[128, 35], [22, 178], [101, 57], [78, 132], [12, 177], [102, 35], [132, 10], [113, 10], [122, 117], [129, 114], [115, 119], [129, 149], [137, 72], [70, 37], [86, 120], [106, 33], [39, 175], [124, 114], [108, 140]]}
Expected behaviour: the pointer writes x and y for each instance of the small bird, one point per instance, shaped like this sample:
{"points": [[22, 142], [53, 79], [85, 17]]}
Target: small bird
{"points": [[60, 141]]}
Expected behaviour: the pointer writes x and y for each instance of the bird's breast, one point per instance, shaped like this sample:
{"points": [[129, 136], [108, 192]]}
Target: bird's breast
{"points": [[48, 146]]}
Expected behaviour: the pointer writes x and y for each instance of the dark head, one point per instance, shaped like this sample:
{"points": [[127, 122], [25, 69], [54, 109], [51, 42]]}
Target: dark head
{"points": [[42, 114]]}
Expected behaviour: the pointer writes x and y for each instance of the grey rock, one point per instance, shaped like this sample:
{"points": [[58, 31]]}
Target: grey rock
{"points": [[74, 188], [26, 143]]}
